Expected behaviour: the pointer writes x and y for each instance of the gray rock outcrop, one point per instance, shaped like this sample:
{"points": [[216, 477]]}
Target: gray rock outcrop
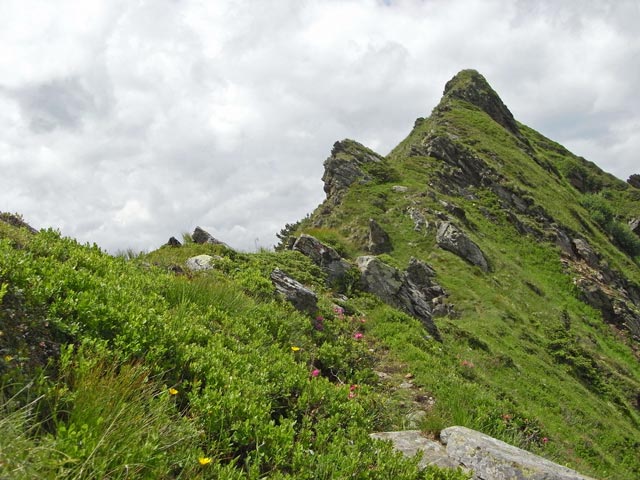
{"points": [[410, 442], [486, 457], [490, 458], [471, 86], [344, 167], [324, 256], [202, 236], [379, 241], [412, 291], [301, 297], [451, 238], [584, 251], [174, 242]]}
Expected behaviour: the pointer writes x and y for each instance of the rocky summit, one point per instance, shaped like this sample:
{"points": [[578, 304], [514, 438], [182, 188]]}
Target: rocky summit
{"points": [[472, 297], [532, 254]]}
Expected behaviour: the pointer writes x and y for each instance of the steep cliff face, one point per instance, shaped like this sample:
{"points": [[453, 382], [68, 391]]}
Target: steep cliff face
{"points": [[535, 248]]}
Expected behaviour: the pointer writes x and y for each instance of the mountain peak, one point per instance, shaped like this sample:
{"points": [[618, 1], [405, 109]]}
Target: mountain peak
{"points": [[469, 85]]}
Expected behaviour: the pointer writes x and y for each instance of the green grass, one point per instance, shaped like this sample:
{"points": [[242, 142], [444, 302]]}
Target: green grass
{"points": [[113, 368], [547, 373]]}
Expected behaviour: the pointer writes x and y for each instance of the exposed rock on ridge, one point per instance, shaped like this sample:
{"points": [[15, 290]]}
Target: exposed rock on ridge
{"points": [[202, 236], [453, 239], [324, 256], [471, 86], [294, 292], [344, 167], [414, 291]]}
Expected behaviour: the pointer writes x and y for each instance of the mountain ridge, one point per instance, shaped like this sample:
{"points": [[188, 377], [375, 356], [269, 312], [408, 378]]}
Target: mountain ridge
{"points": [[479, 275]]}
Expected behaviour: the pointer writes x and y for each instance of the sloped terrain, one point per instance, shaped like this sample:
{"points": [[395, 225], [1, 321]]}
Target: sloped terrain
{"points": [[479, 275], [542, 349]]}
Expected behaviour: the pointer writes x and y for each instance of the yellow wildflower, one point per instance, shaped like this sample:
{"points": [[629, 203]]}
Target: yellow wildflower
{"points": [[173, 391], [295, 349], [204, 460], [8, 358]]}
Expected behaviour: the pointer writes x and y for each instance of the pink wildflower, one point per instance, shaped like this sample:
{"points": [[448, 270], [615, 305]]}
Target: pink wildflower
{"points": [[545, 440], [358, 336], [315, 372]]}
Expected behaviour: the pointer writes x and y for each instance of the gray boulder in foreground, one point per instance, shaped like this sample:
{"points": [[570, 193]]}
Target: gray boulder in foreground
{"points": [[200, 263], [487, 457], [294, 292]]}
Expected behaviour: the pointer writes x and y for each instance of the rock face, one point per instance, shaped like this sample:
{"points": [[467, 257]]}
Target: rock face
{"points": [[202, 236], [453, 239], [344, 167], [324, 256], [584, 251], [379, 241], [413, 291], [472, 87], [293, 291], [486, 457], [200, 263]]}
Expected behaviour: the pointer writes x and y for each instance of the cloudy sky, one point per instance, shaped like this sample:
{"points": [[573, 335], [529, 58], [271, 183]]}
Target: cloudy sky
{"points": [[126, 122]]}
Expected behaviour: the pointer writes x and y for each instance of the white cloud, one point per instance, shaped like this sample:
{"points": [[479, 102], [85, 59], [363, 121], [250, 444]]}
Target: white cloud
{"points": [[124, 123]]}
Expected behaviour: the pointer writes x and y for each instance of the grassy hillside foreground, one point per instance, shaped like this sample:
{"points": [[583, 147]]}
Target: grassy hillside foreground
{"points": [[113, 368]]}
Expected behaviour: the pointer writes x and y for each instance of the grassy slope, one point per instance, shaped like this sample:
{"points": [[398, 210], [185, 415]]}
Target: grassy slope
{"points": [[114, 368], [547, 372]]}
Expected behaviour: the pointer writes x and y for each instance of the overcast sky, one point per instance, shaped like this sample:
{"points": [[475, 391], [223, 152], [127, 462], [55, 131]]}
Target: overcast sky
{"points": [[126, 122]]}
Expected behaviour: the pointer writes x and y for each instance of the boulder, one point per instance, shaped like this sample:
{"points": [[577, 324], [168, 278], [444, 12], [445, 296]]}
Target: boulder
{"points": [[202, 236], [399, 189], [174, 242], [379, 241], [451, 238], [485, 457], [324, 256], [490, 458], [294, 292], [411, 291], [200, 263], [585, 252], [410, 442]]}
